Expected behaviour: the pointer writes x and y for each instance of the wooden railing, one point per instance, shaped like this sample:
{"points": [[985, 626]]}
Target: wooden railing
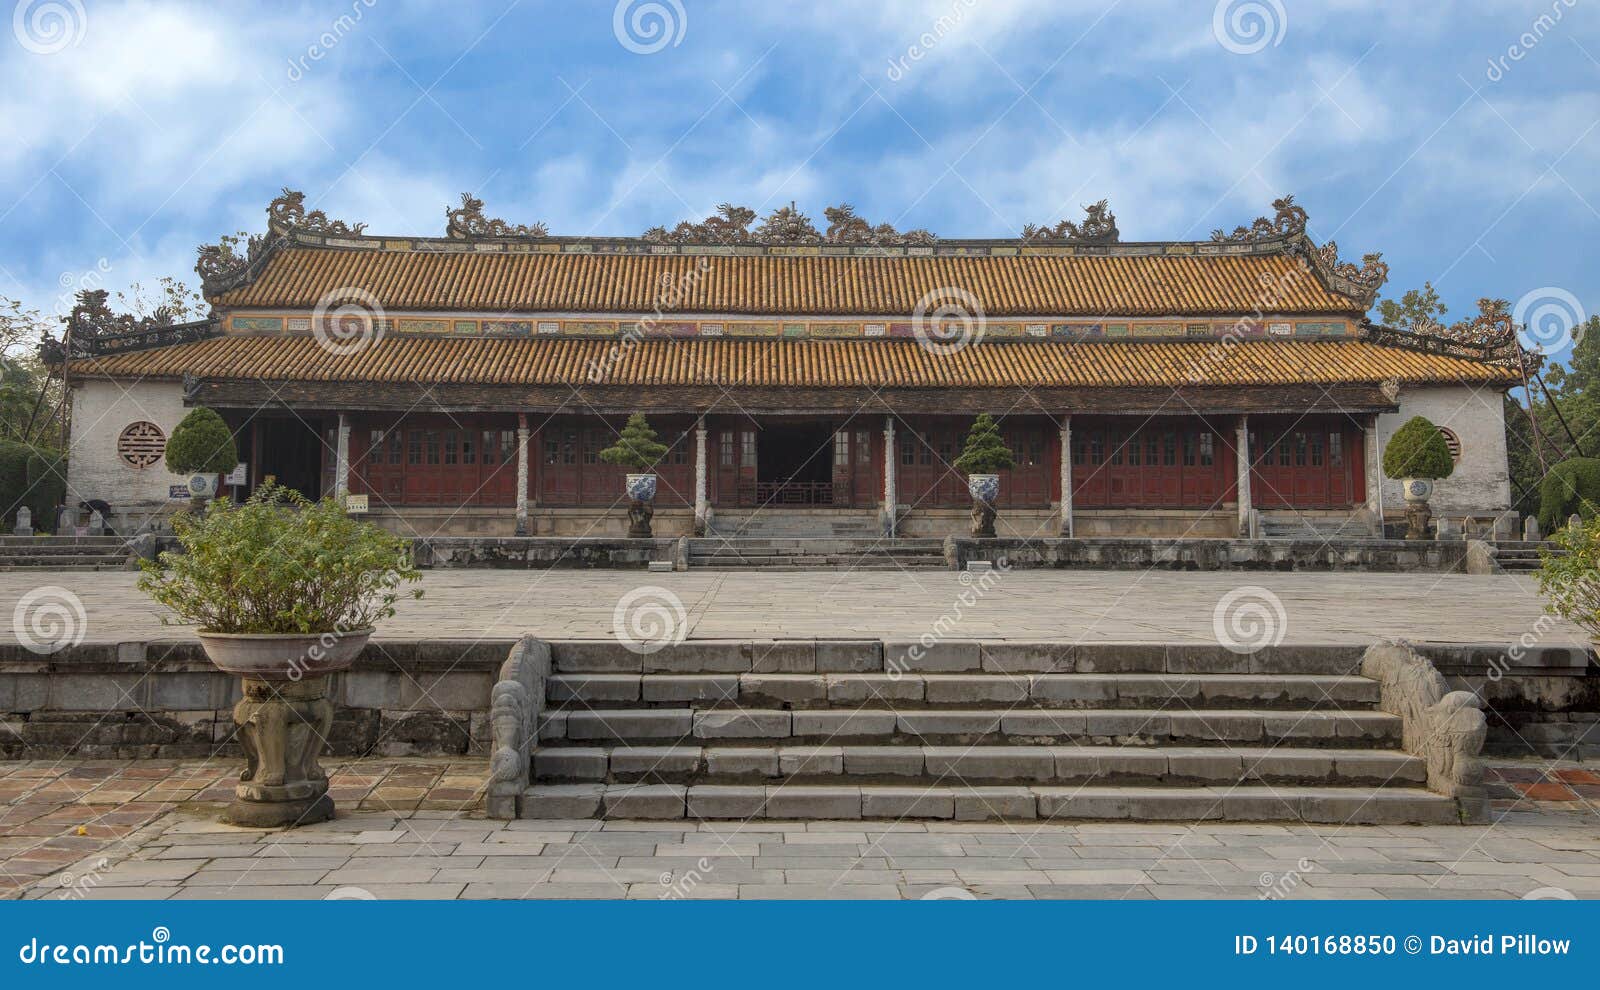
{"points": [[763, 493]]}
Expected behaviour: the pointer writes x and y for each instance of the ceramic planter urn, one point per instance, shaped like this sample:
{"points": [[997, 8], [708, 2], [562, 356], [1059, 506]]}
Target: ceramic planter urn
{"points": [[1417, 491], [984, 489], [282, 720], [641, 489]]}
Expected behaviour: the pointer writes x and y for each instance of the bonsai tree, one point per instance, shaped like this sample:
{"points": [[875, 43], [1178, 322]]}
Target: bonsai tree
{"points": [[1417, 452], [285, 592], [637, 447], [201, 444], [983, 454], [1573, 486]]}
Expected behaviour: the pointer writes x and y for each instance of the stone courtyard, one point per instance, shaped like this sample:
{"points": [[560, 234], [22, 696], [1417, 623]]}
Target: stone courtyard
{"points": [[1057, 606]]}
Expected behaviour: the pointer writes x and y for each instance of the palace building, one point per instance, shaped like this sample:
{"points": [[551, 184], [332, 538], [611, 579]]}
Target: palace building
{"points": [[817, 379]]}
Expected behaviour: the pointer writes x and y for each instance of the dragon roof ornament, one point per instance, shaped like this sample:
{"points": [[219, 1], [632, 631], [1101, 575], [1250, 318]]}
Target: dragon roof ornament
{"points": [[1099, 227], [1289, 218], [288, 212], [467, 220], [786, 225]]}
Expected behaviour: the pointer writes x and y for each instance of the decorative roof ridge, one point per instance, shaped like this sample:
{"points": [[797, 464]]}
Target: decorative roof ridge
{"points": [[786, 232]]}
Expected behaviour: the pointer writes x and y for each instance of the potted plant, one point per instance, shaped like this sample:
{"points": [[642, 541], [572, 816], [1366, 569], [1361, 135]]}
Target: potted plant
{"points": [[201, 447], [638, 448], [1417, 456], [982, 455], [284, 592]]}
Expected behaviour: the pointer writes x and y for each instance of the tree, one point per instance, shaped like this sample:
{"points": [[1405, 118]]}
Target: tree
{"points": [[1573, 486], [1417, 450], [636, 446], [1415, 308], [984, 451], [201, 444]]}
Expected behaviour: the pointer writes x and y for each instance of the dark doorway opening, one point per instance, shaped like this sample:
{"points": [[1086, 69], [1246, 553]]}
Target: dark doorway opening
{"points": [[794, 464], [290, 452]]}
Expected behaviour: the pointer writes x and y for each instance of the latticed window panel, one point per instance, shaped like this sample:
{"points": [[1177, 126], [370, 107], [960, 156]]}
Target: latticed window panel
{"points": [[141, 444]]}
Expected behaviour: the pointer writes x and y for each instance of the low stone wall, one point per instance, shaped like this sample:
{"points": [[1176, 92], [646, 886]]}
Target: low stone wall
{"points": [[1539, 700], [165, 699], [1111, 554], [540, 553]]}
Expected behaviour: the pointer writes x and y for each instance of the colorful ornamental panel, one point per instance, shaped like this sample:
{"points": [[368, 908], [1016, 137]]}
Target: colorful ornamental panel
{"points": [[141, 444], [1043, 328]]}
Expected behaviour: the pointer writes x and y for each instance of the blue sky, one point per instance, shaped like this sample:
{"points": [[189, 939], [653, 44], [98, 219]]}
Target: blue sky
{"points": [[1462, 139]]}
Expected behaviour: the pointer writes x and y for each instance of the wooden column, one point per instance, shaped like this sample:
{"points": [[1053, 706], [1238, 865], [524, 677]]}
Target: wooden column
{"points": [[522, 474], [1241, 449], [341, 458], [890, 491], [702, 500], [1066, 476]]}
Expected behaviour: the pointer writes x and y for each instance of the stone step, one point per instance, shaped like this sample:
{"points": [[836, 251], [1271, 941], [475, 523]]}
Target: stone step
{"points": [[800, 691], [934, 765], [63, 562], [824, 656], [879, 725], [1353, 805]]}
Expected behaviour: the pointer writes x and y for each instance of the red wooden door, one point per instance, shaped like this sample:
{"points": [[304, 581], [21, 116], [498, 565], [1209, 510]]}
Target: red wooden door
{"points": [[1028, 482], [1089, 473], [558, 463], [865, 474], [736, 465]]}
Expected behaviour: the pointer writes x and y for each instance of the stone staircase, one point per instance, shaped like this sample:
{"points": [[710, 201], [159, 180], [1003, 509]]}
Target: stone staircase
{"points": [[1293, 526], [970, 731], [785, 522], [794, 554], [63, 553], [1522, 556]]}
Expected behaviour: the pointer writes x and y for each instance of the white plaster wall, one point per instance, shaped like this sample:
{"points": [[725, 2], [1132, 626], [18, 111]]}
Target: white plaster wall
{"points": [[100, 411], [1481, 483]]}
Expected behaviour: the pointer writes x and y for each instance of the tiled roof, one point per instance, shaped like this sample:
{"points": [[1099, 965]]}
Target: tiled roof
{"points": [[812, 363], [1191, 284]]}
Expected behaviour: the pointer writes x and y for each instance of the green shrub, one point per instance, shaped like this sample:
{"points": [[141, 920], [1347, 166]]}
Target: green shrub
{"points": [[278, 563], [47, 487], [636, 447], [984, 452], [1570, 577], [1571, 486], [202, 444], [13, 481], [1417, 450]]}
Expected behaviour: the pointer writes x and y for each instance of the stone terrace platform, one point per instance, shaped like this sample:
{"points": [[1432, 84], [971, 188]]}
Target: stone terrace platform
{"points": [[1057, 606]]}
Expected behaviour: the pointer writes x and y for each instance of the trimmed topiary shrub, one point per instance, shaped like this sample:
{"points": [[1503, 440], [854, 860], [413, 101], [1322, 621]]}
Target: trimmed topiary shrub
{"points": [[202, 444], [1571, 486], [636, 446], [984, 451], [1417, 450]]}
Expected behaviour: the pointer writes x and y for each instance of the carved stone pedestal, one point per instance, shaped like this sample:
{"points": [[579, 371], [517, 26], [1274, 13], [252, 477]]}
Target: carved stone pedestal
{"points": [[1418, 515], [983, 514], [639, 516], [282, 726]]}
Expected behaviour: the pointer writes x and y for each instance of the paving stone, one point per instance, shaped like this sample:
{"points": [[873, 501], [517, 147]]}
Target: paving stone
{"points": [[810, 760], [857, 688], [619, 725], [563, 801], [884, 761], [976, 763], [977, 804], [1073, 690], [844, 724], [634, 760], [948, 723], [570, 763], [1026, 658], [946, 656], [758, 689], [849, 656], [592, 687], [691, 687], [947, 689], [741, 762], [908, 802]]}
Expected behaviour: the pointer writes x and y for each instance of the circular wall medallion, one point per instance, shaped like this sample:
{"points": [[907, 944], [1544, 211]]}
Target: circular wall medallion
{"points": [[141, 444]]}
